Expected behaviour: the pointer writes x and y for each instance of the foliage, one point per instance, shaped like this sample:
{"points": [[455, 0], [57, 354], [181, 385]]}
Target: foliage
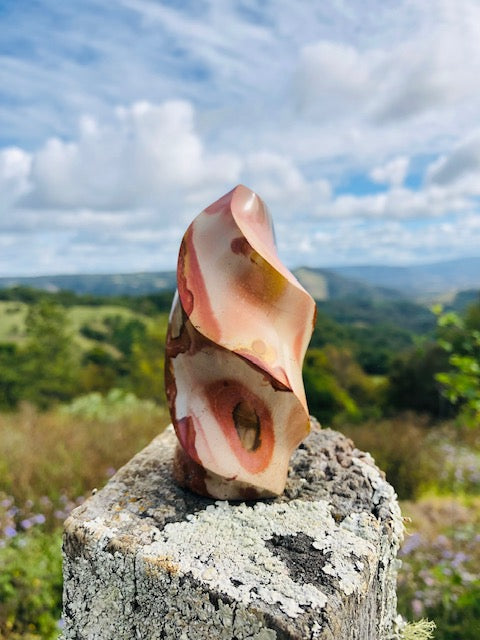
{"points": [[47, 363], [459, 471], [48, 461], [439, 576], [119, 347], [409, 316], [124, 333], [413, 384], [147, 364], [100, 371], [374, 331], [325, 396], [118, 404], [461, 383], [30, 586], [149, 304], [12, 381], [399, 447], [336, 386]]}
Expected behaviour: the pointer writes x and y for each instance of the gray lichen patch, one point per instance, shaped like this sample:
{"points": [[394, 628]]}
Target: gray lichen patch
{"points": [[225, 542], [146, 559]]}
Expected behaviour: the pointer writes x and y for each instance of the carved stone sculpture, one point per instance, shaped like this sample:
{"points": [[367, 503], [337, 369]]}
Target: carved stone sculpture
{"points": [[238, 331]]}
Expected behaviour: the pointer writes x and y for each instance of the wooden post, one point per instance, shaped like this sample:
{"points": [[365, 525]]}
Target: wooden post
{"points": [[144, 559]]}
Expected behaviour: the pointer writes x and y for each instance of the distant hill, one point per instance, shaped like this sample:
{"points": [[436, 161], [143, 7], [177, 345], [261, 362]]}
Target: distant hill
{"points": [[464, 298], [427, 280], [98, 284], [323, 284]]}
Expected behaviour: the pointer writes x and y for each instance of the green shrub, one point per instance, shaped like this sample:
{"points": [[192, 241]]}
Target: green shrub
{"points": [[30, 586], [413, 384], [50, 365], [461, 382], [115, 405], [336, 386], [439, 574]]}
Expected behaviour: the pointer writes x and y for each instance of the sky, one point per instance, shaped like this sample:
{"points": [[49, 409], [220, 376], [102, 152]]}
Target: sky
{"points": [[358, 123]]}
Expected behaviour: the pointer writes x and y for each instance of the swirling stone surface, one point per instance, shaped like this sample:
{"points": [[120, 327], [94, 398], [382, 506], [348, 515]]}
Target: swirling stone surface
{"points": [[238, 331]]}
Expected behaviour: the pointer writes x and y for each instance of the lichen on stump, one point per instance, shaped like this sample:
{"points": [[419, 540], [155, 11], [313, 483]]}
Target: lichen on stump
{"points": [[144, 558]]}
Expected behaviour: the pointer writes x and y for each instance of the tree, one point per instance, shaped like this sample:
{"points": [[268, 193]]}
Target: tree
{"points": [[50, 366], [147, 365], [461, 383], [412, 383], [125, 332], [100, 371], [325, 396], [11, 378]]}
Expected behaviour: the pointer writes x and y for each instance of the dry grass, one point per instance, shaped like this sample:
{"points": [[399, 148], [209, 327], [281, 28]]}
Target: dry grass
{"points": [[50, 454], [432, 515], [400, 448]]}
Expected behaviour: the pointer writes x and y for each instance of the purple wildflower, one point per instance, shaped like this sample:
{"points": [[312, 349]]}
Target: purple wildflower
{"points": [[39, 518], [417, 607]]}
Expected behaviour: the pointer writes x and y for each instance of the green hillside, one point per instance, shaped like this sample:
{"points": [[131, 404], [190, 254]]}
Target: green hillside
{"points": [[325, 284], [13, 314], [118, 341]]}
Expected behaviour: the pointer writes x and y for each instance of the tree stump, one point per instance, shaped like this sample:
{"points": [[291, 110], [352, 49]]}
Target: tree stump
{"points": [[145, 559]]}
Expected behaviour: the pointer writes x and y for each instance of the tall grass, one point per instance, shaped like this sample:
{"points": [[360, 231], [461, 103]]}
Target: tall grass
{"points": [[58, 454], [400, 448]]}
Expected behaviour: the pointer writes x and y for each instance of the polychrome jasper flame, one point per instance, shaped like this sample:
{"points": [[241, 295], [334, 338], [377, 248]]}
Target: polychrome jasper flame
{"points": [[238, 331]]}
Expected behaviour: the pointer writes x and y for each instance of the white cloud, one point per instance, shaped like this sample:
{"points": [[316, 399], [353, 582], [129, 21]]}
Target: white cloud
{"points": [[433, 67], [15, 165], [146, 154], [353, 241], [130, 185], [398, 203], [289, 98], [147, 163], [461, 167], [331, 77], [391, 92], [392, 173]]}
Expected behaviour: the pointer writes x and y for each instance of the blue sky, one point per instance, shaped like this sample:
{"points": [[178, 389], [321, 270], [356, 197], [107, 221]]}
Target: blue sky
{"points": [[357, 123]]}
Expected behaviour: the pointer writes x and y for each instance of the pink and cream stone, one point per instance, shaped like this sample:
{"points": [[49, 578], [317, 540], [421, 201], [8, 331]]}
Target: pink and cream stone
{"points": [[238, 331]]}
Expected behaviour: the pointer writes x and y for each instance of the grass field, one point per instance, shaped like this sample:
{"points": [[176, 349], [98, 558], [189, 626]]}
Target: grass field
{"points": [[13, 314]]}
